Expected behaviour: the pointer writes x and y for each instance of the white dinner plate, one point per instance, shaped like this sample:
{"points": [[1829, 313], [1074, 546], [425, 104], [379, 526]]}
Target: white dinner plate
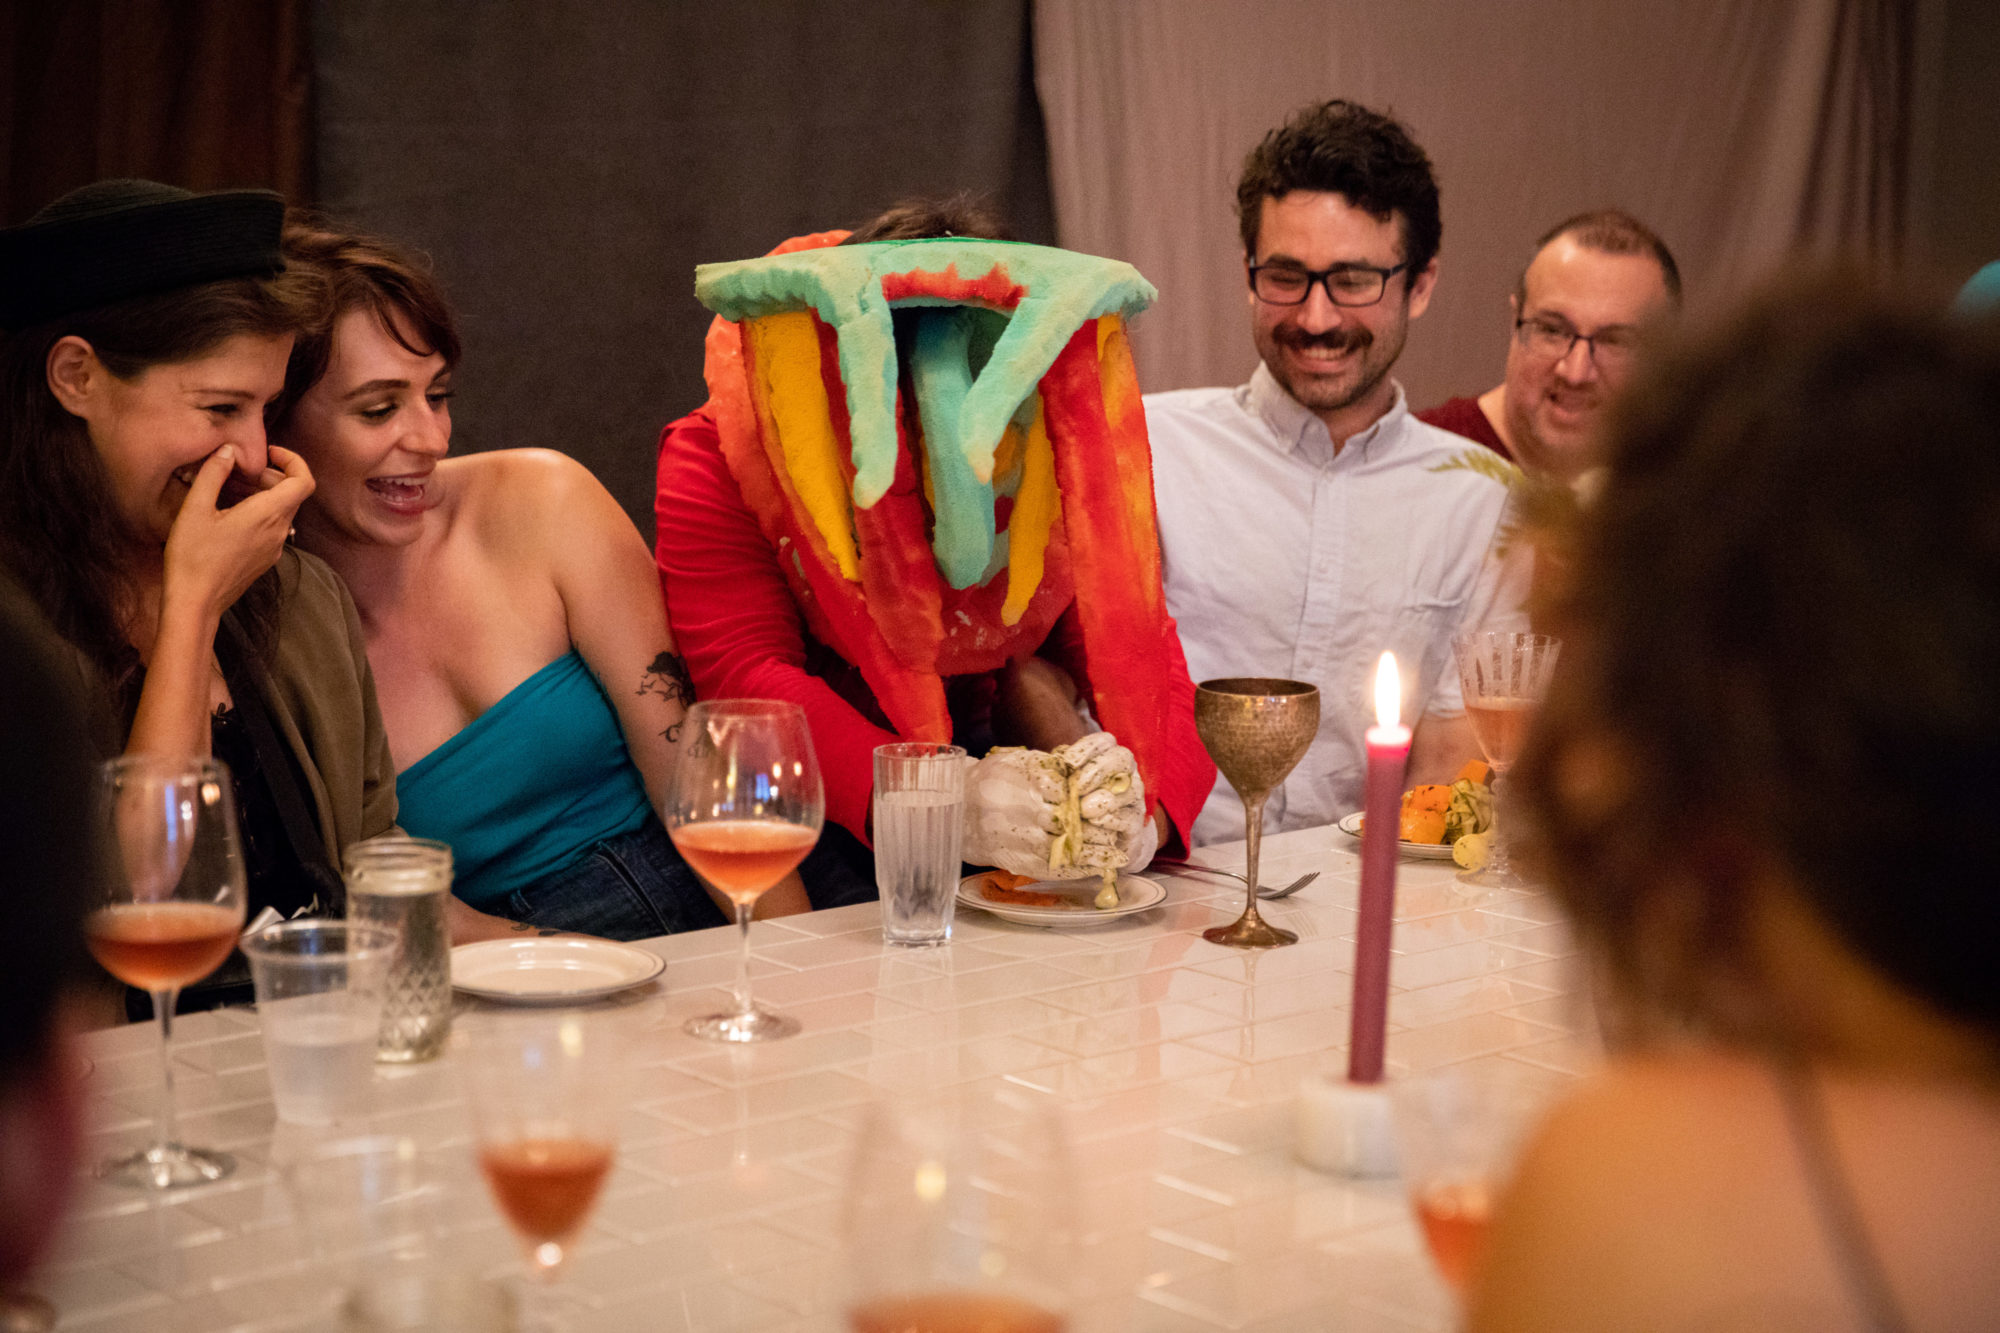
{"points": [[550, 969], [1076, 913], [1423, 851]]}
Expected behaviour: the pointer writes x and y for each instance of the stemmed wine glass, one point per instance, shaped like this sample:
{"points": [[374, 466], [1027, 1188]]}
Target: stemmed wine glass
{"points": [[171, 911], [547, 1095], [960, 1213], [1504, 675], [744, 808]]}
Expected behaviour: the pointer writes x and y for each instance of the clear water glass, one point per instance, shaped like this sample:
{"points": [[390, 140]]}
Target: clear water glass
{"points": [[919, 817], [403, 885]]}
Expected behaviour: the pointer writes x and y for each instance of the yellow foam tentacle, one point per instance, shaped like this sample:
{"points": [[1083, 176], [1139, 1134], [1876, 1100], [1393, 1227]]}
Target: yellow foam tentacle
{"points": [[1035, 509], [788, 376]]}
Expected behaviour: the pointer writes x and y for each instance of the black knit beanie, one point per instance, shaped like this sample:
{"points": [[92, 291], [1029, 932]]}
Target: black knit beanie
{"points": [[118, 239]]}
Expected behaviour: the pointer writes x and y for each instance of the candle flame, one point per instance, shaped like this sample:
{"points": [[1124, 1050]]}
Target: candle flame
{"points": [[1388, 692]]}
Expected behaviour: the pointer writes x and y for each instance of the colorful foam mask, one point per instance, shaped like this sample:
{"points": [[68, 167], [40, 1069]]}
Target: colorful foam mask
{"points": [[944, 440]]}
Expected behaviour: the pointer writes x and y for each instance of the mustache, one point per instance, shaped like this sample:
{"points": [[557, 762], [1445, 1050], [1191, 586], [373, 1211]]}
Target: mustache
{"points": [[1333, 340]]}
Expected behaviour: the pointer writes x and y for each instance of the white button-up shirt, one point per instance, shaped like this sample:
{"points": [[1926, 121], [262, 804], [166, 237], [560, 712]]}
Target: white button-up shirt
{"points": [[1283, 558]]}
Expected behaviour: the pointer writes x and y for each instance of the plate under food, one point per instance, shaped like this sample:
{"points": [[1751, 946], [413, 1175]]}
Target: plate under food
{"points": [[1074, 912], [550, 969], [1422, 851]]}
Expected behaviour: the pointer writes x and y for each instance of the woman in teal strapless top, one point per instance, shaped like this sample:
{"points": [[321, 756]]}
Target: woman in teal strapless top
{"points": [[512, 614]]}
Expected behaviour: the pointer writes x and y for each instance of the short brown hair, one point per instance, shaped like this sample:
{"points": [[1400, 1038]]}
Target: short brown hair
{"points": [[361, 272], [1805, 677], [1613, 232], [1367, 158]]}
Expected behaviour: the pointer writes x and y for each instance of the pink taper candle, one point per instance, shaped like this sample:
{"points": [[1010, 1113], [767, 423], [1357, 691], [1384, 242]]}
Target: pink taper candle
{"points": [[1388, 752]]}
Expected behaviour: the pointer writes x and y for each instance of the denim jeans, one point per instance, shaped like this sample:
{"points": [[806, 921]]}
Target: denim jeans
{"points": [[629, 887], [635, 886]]}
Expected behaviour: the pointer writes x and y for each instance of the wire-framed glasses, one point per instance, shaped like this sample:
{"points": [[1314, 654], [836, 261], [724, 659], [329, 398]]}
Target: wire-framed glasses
{"points": [[1346, 284]]}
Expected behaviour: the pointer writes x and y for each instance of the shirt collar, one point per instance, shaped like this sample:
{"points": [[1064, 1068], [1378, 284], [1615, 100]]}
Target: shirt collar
{"points": [[1299, 429]]}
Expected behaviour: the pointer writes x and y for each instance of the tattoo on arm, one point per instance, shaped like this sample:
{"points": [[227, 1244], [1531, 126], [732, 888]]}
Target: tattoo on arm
{"points": [[668, 677]]}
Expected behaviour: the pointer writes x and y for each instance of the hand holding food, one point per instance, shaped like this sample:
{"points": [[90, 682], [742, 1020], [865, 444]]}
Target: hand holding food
{"points": [[1062, 814]]}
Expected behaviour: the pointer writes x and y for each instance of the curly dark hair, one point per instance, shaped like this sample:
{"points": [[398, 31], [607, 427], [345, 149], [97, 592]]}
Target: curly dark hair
{"points": [[1364, 156], [357, 271], [59, 535], [1782, 648]]}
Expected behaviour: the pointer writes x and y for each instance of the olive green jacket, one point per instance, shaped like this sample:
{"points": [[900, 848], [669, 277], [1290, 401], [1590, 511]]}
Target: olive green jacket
{"points": [[321, 695]]}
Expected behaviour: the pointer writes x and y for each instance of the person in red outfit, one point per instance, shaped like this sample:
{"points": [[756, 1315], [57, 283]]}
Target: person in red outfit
{"points": [[734, 617], [1596, 282]]}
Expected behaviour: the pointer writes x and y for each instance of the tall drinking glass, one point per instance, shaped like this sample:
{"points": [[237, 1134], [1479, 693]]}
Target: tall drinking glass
{"points": [[547, 1094], [744, 808], [960, 1214], [171, 911], [402, 885], [1504, 675], [919, 813]]}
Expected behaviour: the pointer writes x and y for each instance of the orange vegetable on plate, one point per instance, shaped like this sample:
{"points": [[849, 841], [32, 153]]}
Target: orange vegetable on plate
{"points": [[1423, 813]]}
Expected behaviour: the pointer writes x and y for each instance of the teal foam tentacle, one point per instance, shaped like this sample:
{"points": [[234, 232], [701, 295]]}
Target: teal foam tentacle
{"points": [[961, 502]]}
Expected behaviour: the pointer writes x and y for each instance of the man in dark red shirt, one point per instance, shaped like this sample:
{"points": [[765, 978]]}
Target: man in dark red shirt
{"points": [[1595, 283], [743, 634]]}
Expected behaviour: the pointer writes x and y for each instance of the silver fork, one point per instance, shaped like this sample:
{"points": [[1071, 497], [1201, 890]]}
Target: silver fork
{"points": [[1264, 891]]}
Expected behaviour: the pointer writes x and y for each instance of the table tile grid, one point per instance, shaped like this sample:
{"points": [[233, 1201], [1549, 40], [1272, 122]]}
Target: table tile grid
{"points": [[1176, 1060]]}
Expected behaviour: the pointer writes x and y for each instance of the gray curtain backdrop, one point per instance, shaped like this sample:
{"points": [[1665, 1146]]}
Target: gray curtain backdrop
{"points": [[1743, 130], [567, 164]]}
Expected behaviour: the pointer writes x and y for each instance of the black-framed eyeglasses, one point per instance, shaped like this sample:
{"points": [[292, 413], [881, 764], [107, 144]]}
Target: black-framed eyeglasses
{"points": [[1346, 284], [1610, 349]]}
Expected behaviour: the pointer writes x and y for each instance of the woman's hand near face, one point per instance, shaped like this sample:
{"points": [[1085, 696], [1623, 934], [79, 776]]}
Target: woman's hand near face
{"points": [[214, 554]]}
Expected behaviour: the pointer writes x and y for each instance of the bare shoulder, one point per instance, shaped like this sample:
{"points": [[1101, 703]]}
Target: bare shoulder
{"points": [[521, 499], [1637, 1191]]}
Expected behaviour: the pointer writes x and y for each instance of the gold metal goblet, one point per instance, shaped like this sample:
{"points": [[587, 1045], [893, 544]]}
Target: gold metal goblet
{"points": [[1256, 730]]}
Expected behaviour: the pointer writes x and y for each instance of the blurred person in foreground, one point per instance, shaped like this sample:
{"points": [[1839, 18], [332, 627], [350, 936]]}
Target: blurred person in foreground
{"points": [[1598, 283], [1759, 786], [46, 846]]}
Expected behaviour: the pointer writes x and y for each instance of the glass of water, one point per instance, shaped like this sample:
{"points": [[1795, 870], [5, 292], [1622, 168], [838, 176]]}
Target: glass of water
{"points": [[919, 816], [319, 996]]}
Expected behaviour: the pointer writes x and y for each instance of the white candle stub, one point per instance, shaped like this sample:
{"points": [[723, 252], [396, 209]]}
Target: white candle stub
{"points": [[1345, 1127]]}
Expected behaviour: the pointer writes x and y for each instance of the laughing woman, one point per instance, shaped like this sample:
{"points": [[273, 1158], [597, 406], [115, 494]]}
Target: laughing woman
{"points": [[511, 612], [146, 330]]}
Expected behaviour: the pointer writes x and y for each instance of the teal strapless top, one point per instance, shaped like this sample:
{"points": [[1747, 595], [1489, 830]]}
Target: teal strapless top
{"points": [[529, 784]]}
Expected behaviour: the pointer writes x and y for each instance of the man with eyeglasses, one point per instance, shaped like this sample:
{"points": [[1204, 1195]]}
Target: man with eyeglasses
{"points": [[1305, 525], [1596, 283]]}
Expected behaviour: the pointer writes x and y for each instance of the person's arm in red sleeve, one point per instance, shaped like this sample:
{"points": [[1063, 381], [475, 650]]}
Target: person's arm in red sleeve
{"points": [[733, 616], [1188, 774]]}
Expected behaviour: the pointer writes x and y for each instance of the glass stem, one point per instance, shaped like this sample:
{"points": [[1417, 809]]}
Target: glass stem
{"points": [[743, 1005], [1253, 846], [1499, 866], [165, 1132]]}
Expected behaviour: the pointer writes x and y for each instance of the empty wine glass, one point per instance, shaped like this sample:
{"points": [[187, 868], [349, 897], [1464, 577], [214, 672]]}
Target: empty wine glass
{"points": [[1504, 675], [170, 914], [961, 1214], [744, 808]]}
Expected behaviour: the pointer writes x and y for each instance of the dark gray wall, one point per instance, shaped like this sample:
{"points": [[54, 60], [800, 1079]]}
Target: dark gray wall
{"points": [[567, 164]]}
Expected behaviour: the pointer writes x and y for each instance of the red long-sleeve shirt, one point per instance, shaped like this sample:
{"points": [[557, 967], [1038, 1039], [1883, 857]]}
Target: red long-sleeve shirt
{"points": [[735, 622]]}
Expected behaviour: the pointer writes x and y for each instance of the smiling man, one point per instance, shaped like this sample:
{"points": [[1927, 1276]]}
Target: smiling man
{"points": [[1305, 524], [1596, 284]]}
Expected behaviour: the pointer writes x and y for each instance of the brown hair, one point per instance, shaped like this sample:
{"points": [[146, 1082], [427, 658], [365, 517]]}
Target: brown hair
{"points": [[55, 499], [1782, 647], [361, 272], [1613, 232], [1367, 158], [962, 214]]}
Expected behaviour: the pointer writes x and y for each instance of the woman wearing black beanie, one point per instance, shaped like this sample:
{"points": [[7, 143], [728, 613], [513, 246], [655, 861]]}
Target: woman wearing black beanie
{"points": [[146, 329]]}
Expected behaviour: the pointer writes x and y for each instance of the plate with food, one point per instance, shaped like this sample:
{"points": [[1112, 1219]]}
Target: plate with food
{"points": [[1068, 904], [1444, 821], [557, 969]]}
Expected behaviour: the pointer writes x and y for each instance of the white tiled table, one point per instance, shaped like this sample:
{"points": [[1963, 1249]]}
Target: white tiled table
{"points": [[1178, 1059]]}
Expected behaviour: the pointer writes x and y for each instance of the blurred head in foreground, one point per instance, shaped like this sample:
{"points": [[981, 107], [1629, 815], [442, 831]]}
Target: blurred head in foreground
{"points": [[1778, 711], [50, 874]]}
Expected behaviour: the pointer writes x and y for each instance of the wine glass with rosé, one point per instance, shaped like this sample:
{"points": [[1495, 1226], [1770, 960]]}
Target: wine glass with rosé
{"points": [[1503, 675], [170, 913], [744, 808], [547, 1096]]}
